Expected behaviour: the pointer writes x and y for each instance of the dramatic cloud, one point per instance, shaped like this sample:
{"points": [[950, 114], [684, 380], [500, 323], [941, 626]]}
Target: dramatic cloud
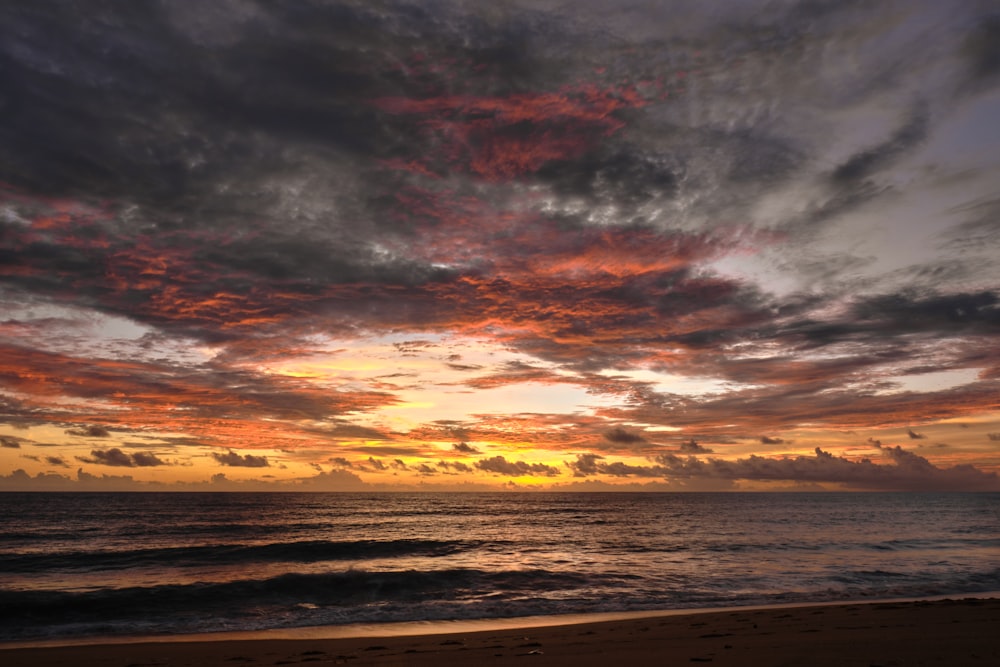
{"points": [[342, 230], [231, 458]]}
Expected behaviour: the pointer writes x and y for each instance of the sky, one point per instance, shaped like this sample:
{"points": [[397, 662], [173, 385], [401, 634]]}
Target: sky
{"points": [[574, 245]]}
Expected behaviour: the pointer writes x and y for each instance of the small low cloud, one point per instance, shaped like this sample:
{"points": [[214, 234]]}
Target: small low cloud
{"points": [[501, 466], [92, 431], [692, 447], [995, 437], [235, 460], [914, 435], [56, 461], [116, 457], [620, 436], [465, 448], [10, 443], [376, 464], [904, 470], [766, 440], [454, 466]]}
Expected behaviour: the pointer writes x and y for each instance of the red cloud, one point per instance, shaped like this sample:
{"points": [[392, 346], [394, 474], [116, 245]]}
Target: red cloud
{"points": [[499, 138]]}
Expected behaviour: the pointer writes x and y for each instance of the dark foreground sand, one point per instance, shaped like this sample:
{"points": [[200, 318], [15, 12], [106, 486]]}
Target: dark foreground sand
{"points": [[942, 632]]}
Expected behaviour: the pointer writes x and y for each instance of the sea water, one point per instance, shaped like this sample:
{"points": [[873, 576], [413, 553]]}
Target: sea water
{"points": [[104, 564]]}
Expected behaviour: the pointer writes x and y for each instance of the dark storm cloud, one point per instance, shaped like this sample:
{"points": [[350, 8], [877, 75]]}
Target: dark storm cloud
{"points": [[231, 458], [116, 457]]}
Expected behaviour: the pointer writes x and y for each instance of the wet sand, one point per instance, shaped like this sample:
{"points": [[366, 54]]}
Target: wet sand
{"points": [[941, 632]]}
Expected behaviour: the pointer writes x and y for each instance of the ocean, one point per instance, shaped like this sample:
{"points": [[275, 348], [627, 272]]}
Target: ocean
{"points": [[112, 564]]}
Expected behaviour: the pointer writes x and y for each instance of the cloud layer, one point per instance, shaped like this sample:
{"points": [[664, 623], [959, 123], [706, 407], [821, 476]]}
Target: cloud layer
{"points": [[488, 241]]}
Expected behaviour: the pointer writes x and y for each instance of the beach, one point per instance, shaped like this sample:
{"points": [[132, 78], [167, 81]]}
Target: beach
{"points": [[939, 632]]}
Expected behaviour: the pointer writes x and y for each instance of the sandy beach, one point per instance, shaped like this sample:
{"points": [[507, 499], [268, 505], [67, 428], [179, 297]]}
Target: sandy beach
{"points": [[941, 632]]}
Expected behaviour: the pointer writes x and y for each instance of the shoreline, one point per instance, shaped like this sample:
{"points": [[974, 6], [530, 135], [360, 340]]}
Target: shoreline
{"points": [[905, 631], [457, 626]]}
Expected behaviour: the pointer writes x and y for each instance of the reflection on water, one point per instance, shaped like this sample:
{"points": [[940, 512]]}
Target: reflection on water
{"points": [[119, 563]]}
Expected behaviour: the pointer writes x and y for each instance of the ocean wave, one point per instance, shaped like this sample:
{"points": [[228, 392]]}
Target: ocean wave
{"points": [[310, 551], [23, 612]]}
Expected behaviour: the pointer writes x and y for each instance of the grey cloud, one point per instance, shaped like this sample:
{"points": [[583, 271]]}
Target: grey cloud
{"points": [[908, 471], [464, 448], [982, 49], [593, 464], [501, 466], [334, 480], [9, 442], [231, 458], [619, 435], [116, 457], [93, 431], [347, 430], [980, 226], [56, 461], [995, 437], [765, 440], [457, 466], [586, 464], [376, 463], [692, 447], [915, 436], [864, 164]]}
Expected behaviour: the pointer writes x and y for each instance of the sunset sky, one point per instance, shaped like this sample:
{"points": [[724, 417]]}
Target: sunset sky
{"points": [[486, 245]]}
